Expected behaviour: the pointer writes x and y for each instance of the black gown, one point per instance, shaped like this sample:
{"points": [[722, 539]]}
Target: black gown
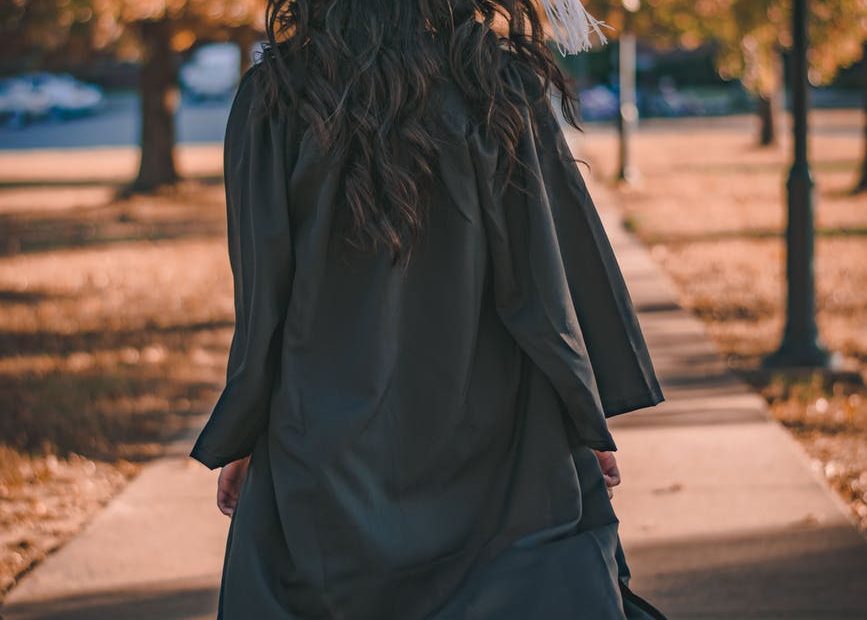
{"points": [[421, 438]]}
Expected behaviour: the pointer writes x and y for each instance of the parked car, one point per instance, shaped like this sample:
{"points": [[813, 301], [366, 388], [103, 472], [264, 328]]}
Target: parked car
{"points": [[598, 103], [21, 102], [212, 71], [35, 96], [668, 101], [67, 96]]}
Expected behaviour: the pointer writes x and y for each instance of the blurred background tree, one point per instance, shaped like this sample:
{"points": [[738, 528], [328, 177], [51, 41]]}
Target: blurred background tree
{"points": [[37, 32], [861, 184], [750, 36], [152, 32], [753, 34]]}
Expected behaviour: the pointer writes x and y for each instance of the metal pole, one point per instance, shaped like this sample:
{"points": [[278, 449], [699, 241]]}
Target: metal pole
{"points": [[628, 114], [800, 346]]}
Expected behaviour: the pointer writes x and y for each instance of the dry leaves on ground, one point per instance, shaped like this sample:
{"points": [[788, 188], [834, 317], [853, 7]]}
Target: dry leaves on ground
{"points": [[115, 319]]}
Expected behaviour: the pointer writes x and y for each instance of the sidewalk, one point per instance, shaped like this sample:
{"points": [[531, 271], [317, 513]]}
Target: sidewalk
{"points": [[722, 516], [721, 513]]}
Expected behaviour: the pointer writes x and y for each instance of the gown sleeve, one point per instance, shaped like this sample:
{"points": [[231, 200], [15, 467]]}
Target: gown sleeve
{"points": [[557, 284], [261, 256]]}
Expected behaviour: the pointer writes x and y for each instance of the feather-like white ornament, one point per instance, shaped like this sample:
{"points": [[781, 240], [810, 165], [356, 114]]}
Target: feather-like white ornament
{"points": [[571, 25]]}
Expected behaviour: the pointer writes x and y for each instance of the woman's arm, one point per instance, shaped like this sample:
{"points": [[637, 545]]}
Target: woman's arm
{"points": [[260, 245]]}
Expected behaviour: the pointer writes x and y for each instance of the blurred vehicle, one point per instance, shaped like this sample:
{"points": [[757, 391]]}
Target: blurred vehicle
{"points": [[67, 96], [35, 96], [21, 102], [665, 99], [598, 103], [668, 101], [212, 71]]}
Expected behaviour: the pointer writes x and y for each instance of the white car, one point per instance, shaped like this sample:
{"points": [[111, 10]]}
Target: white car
{"points": [[35, 96], [21, 102], [598, 103], [212, 71], [68, 96]]}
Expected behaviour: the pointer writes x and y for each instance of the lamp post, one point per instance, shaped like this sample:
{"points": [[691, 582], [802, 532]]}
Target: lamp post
{"points": [[627, 117], [800, 346]]}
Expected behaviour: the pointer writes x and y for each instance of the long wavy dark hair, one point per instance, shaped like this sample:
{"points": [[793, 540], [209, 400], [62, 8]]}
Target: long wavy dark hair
{"points": [[362, 74]]}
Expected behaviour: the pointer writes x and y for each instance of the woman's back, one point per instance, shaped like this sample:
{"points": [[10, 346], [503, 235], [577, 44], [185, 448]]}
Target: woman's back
{"points": [[421, 433]]}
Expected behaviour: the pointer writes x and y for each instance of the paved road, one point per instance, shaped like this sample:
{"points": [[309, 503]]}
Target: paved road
{"points": [[721, 514], [118, 125]]}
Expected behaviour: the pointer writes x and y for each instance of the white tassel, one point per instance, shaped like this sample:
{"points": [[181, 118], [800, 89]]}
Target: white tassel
{"points": [[571, 25]]}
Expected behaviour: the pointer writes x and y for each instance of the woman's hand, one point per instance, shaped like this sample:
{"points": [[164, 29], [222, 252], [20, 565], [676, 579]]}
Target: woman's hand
{"points": [[229, 485], [610, 472]]}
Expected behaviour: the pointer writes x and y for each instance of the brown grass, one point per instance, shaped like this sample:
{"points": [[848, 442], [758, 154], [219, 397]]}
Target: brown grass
{"points": [[115, 317]]}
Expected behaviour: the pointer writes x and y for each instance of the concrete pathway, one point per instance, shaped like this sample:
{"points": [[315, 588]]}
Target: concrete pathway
{"points": [[155, 552], [722, 516]]}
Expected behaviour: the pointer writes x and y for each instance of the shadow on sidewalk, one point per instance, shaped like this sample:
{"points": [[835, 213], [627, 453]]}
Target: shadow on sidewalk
{"points": [[170, 600], [801, 572], [768, 574]]}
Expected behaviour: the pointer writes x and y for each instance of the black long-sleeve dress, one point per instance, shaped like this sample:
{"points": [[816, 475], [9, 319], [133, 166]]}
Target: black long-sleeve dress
{"points": [[421, 438]]}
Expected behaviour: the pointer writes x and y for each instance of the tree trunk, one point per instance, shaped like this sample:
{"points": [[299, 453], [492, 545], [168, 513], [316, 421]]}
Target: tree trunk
{"points": [[771, 106], [862, 182], [158, 90], [767, 121]]}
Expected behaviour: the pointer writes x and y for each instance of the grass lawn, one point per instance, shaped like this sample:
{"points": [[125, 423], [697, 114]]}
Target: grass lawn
{"points": [[711, 205], [115, 319]]}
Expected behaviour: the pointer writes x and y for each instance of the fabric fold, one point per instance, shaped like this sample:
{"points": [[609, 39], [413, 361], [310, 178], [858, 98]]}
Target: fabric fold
{"points": [[618, 352], [558, 287], [261, 257]]}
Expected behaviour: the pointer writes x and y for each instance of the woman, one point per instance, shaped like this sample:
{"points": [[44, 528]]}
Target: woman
{"points": [[431, 328]]}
